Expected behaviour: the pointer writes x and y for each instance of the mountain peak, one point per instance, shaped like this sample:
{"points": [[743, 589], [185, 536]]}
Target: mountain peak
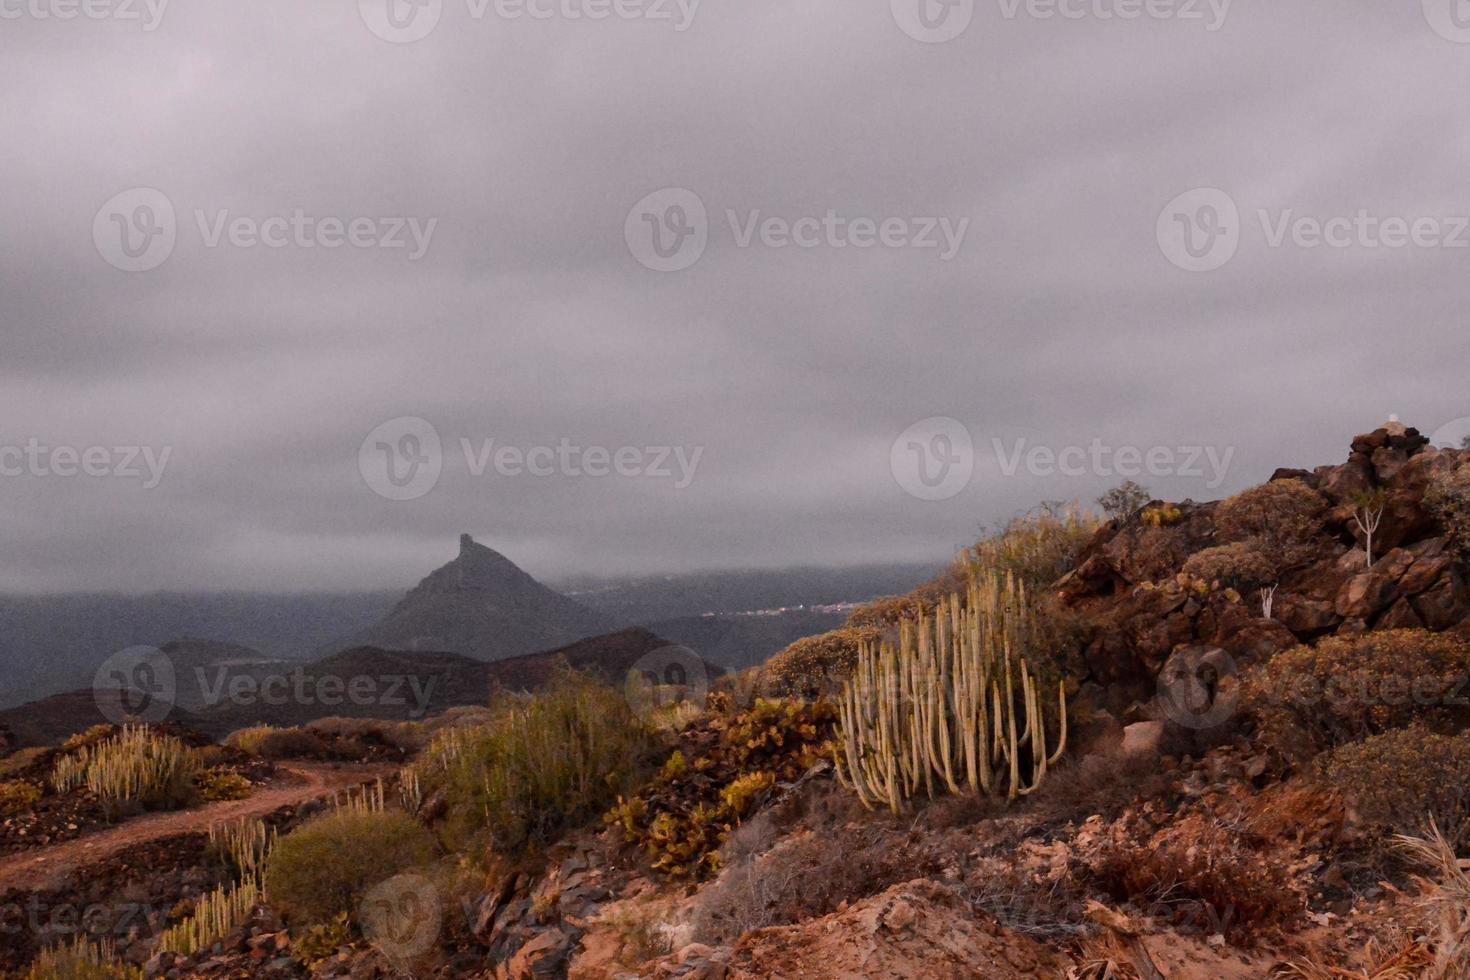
{"points": [[482, 605]]}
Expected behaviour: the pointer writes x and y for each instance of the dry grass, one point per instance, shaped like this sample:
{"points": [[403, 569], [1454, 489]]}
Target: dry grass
{"points": [[1445, 888]]}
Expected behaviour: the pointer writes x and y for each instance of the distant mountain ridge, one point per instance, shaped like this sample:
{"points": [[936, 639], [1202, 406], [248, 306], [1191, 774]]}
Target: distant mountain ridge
{"points": [[480, 605]]}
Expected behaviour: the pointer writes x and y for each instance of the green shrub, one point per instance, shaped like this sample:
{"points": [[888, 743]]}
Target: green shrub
{"points": [[1401, 780], [1280, 519], [1239, 566], [81, 960], [320, 943], [1346, 689], [1448, 499], [717, 779], [17, 798], [325, 867], [134, 766], [250, 739], [218, 784], [542, 765], [815, 665]]}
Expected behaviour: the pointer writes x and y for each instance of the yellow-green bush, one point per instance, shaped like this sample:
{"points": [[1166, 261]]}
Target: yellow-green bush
{"points": [[1164, 515], [18, 797], [815, 665], [81, 960], [718, 777], [1346, 689], [324, 868], [218, 784], [91, 736], [1036, 550], [250, 739], [542, 765], [1401, 780], [133, 766], [319, 943]]}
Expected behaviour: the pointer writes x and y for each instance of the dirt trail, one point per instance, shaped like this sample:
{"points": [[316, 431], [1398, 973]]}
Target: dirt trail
{"points": [[49, 868]]}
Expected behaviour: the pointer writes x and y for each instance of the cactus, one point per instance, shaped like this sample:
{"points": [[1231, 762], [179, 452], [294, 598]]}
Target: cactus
{"points": [[244, 845], [953, 707], [215, 915], [135, 765]]}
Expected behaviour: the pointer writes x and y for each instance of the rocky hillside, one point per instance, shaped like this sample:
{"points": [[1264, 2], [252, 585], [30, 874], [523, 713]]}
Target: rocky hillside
{"points": [[482, 606], [1172, 577]]}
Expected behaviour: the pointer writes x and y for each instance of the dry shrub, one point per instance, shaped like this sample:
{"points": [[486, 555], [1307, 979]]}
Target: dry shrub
{"points": [[1445, 891], [816, 665], [1402, 778], [1103, 783], [1405, 960], [1346, 689], [1281, 519], [21, 760], [1211, 875], [1239, 566], [1448, 499], [325, 867]]}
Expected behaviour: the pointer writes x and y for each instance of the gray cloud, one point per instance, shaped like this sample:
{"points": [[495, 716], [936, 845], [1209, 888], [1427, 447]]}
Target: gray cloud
{"points": [[528, 321]]}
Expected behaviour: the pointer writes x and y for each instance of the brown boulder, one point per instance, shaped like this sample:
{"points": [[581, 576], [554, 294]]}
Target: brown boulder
{"points": [[1445, 605], [1341, 483], [1365, 595], [1422, 575], [1400, 617], [1305, 616]]}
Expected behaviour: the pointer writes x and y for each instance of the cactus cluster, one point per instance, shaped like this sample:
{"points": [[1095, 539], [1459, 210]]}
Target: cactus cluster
{"points": [[953, 706], [136, 765], [81, 958], [244, 845], [215, 915]]}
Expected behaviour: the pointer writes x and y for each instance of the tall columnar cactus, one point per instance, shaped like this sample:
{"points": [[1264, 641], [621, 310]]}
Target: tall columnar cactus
{"points": [[953, 706]]}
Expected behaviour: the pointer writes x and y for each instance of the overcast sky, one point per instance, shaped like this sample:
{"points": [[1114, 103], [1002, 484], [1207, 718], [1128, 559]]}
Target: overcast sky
{"points": [[1058, 310]]}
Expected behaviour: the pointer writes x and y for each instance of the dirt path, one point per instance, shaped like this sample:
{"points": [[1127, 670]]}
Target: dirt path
{"points": [[49, 868]]}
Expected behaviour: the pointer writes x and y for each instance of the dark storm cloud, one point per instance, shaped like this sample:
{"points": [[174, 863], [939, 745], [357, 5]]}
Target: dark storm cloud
{"points": [[528, 321]]}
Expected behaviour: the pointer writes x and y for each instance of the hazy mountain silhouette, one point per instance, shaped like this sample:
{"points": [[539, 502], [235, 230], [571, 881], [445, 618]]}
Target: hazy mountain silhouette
{"points": [[480, 605]]}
